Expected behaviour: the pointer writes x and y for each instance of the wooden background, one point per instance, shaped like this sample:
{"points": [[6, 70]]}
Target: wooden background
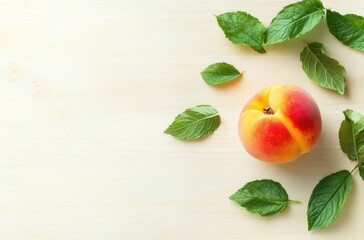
{"points": [[87, 88]]}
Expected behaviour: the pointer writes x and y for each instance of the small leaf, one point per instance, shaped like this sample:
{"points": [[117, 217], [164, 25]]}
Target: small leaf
{"points": [[195, 122], [242, 28], [265, 197], [323, 70], [219, 73], [327, 199], [348, 29], [351, 135], [294, 20]]}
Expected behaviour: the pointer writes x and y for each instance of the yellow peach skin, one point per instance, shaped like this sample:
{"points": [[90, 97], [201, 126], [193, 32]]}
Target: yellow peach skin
{"points": [[280, 123]]}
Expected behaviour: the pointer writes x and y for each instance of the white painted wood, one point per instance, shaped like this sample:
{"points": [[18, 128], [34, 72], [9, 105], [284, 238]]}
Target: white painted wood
{"points": [[86, 90]]}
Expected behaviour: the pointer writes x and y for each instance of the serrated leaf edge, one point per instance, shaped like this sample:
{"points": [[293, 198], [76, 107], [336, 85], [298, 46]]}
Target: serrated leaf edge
{"points": [[336, 62], [312, 226]]}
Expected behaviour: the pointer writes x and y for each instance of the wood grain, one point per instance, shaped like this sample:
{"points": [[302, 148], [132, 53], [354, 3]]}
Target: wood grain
{"points": [[86, 90]]}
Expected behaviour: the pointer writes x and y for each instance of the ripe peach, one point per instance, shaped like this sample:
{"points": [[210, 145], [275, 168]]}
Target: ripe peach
{"points": [[280, 123]]}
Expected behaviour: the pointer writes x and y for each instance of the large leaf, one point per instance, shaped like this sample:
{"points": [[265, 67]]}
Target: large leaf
{"points": [[219, 73], [327, 199], [294, 20], [323, 70], [265, 197], [348, 29], [242, 28], [351, 135], [195, 122]]}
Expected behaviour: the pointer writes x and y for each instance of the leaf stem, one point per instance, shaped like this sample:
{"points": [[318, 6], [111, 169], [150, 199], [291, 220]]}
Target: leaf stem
{"points": [[356, 166], [359, 162], [294, 201]]}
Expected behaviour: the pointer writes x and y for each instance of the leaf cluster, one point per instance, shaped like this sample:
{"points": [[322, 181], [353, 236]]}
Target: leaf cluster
{"points": [[291, 22]]}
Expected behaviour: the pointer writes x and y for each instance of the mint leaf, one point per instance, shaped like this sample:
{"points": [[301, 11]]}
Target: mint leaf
{"points": [[356, 119], [195, 122], [219, 73], [348, 29], [351, 135], [242, 28], [265, 197], [294, 20], [361, 171], [327, 199], [323, 70]]}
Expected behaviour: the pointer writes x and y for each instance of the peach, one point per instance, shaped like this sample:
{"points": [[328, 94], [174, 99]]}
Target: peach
{"points": [[280, 123]]}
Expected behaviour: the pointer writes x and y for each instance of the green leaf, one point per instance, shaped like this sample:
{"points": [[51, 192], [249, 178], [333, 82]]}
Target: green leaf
{"points": [[265, 197], [195, 122], [351, 135], [242, 28], [356, 119], [323, 70], [327, 199], [361, 171], [348, 29], [219, 73], [294, 20]]}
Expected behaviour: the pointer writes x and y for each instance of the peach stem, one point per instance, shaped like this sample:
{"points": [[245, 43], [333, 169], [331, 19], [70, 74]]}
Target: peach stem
{"points": [[268, 110]]}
